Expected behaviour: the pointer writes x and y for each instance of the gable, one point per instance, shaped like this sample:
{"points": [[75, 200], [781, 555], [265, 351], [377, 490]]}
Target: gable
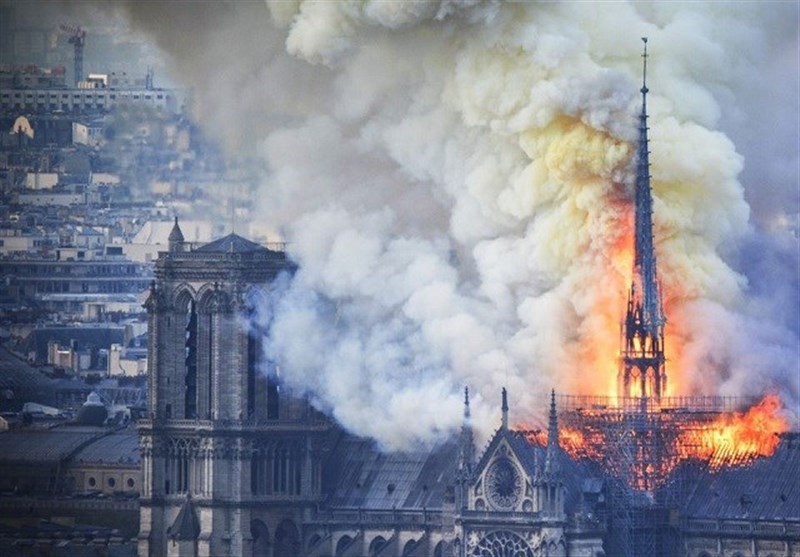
{"points": [[504, 476]]}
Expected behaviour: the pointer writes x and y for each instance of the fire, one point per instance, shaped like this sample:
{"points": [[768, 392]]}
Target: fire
{"points": [[738, 438], [667, 436]]}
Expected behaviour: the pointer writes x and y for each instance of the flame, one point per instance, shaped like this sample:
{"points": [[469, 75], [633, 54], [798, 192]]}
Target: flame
{"points": [[720, 440], [738, 438]]}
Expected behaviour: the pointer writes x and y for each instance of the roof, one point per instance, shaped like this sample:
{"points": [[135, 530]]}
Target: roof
{"points": [[16, 374], [186, 526], [175, 234], [232, 243], [359, 475], [45, 446], [121, 447], [768, 488]]}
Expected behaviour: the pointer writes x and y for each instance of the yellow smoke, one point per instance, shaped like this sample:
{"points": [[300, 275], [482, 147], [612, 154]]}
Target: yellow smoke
{"points": [[583, 227]]}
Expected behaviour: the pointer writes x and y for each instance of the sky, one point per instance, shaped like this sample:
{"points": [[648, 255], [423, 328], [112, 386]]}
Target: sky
{"points": [[454, 179]]}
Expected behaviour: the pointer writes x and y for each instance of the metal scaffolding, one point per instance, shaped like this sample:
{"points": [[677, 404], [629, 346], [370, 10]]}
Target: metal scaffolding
{"points": [[640, 444]]}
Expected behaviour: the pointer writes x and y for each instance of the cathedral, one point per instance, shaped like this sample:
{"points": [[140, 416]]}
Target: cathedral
{"points": [[233, 466]]}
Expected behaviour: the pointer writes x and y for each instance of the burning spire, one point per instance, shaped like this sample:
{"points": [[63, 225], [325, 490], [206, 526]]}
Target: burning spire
{"points": [[643, 371]]}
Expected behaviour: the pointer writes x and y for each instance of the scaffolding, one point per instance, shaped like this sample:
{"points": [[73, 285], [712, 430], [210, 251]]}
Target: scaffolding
{"points": [[639, 443]]}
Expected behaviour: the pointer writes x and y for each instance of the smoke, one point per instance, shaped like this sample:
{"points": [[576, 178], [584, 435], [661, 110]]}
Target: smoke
{"points": [[454, 181]]}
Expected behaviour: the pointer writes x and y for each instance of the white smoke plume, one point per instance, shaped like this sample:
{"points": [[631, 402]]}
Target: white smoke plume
{"points": [[454, 181]]}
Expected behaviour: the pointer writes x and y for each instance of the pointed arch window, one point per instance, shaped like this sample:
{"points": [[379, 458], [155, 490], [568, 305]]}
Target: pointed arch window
{"points": [[190, 352]]}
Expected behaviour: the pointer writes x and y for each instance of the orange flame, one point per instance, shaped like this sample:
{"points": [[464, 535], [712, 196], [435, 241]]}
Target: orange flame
{"points": [[738, 438], [721, 440]]}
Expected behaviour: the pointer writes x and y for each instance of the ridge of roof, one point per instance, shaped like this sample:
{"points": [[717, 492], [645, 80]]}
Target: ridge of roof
{"points": [[232, 243]]}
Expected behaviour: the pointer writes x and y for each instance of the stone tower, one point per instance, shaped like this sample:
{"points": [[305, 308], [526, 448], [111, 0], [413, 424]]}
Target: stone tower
{"points": [[230, 462]]}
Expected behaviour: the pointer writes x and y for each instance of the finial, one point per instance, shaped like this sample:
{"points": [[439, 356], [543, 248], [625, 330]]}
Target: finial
{"points": [[644, 67], [466, 403], [551, 459], [552, 426], [504, 408]]}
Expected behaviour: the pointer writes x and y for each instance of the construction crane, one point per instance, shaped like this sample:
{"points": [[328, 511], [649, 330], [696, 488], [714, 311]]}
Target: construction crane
{"points": [[77, 38]]}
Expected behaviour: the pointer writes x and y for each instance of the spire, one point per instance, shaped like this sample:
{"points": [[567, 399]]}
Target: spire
{"points": [[551, 460], [643, 373], [504, 408], [467, 449]]}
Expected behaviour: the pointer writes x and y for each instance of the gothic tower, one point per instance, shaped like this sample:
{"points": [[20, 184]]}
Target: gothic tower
{"points": [[642, 372], [229, 461]]}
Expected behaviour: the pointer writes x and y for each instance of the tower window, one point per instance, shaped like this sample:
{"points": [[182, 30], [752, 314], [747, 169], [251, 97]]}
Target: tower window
{"points": [[190, 401]]}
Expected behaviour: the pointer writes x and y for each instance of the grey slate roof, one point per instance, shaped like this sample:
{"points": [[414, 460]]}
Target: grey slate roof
{"points": [[186, 526], [45, 447], [17, 374], [358, 475], [121, 447], [767, 489], [232, 243]]}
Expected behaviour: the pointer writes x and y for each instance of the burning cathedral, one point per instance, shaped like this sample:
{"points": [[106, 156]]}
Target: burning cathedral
{"points": [[233, 465]]}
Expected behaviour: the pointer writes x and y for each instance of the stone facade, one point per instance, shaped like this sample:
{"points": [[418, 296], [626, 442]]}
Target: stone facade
{"points": [[230, 465]]}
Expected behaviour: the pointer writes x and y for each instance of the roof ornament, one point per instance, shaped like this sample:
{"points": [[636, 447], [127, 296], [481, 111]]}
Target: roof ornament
{"points": [[467, 446], [175, 239], [644, 88], [504, 408], [551, 460]]}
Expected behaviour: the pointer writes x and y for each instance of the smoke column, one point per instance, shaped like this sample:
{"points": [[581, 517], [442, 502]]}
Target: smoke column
{"points": [[454, 181]]}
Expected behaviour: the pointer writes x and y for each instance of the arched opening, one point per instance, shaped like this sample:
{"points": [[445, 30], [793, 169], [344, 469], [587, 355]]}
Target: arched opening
{"points": [[342, 545], [635, 388], [190, 359], [208, 308], [287, 540], [376, 545], [651, 382], [313, 542], [263, 399], [438, 551], [409, 548], [260, 535]]}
